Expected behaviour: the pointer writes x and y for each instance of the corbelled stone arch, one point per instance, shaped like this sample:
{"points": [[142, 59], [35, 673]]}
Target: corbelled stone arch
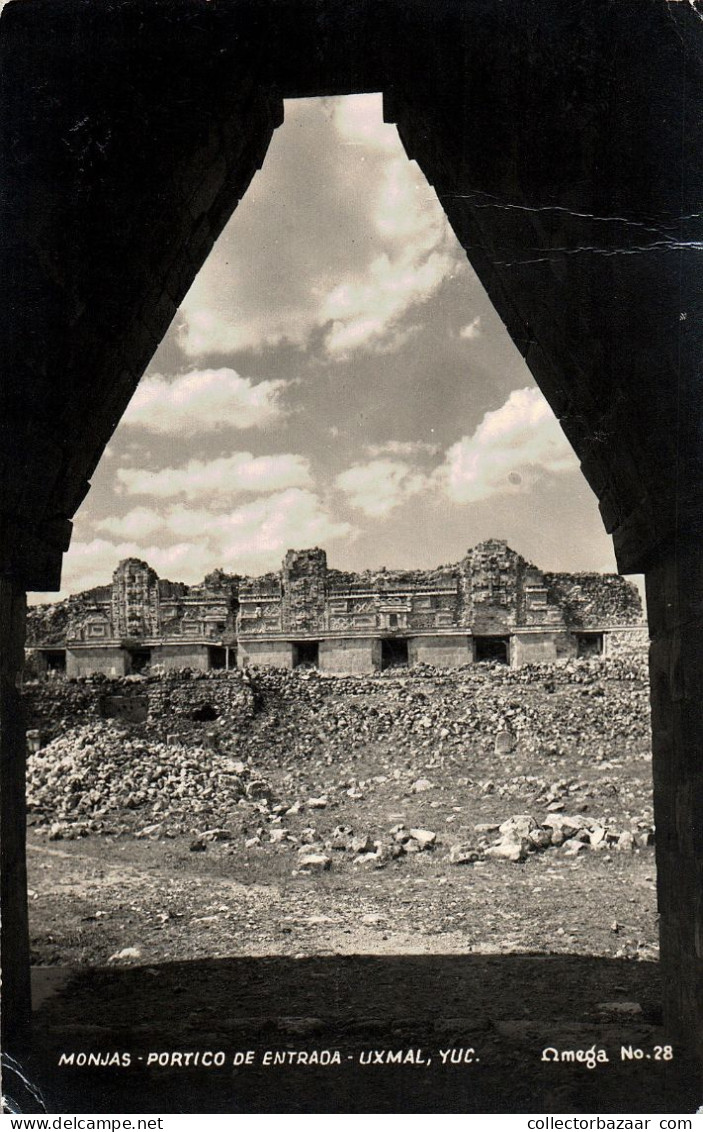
{"points": [[571, 173], [571, 178], [565, 144], [128, 137], [126, 153]]}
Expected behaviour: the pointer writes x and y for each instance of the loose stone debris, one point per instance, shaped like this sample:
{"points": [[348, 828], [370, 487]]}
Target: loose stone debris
{"points": [[205, 774]]}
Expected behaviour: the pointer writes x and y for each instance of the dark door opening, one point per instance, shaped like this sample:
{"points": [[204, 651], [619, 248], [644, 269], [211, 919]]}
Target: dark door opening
{"points": [[496, 649], [139, 659], [55, 662], [589, 644], [217, 657], [306, 653], [394, 653]]}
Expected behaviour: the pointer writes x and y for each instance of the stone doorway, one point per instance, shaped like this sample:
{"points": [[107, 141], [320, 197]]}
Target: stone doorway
{"points": [[55, 662], [394, 653], [137, 661], [306, 654], [496, 649], [589, 644]]}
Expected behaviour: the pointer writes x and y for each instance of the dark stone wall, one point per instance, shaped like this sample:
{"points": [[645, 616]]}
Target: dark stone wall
{"points": [[675, 604], [128, 134], [554, 142], [303, 590], [171, 701]]}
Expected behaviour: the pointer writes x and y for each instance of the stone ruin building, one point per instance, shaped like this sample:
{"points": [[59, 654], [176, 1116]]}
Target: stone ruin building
{"points": [[493, 605]]}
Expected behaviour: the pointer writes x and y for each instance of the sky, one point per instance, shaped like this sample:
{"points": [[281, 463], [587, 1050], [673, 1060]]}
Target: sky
{"points": [[335, 377]]}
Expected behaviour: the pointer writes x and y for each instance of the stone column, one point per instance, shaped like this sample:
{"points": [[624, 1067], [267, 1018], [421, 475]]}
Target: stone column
{"points": [[675, 609], [14, 930]]}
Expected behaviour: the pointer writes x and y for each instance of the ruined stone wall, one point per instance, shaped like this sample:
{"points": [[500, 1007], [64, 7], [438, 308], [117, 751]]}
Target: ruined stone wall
{"points": [[442, 652], [107, 661], [391, 579], [501, 591], [265, 654], [221, 589], [406, 600], [355, 655], [173, 702], [595, 600], [48, 624], [139, 606], [536, 648], [492, 576], [170, 657], [626, 642], [304, 584], [260, 605], [493, 591], [135, 600]]}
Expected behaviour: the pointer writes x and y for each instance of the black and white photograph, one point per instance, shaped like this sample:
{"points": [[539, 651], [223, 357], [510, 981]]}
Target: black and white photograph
{"points": [[351, 571]]}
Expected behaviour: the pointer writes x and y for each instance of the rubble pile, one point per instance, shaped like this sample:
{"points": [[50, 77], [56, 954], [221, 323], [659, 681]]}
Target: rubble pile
{"points": [[320, 763], [521, 835], [592, 673], [102, 778], [511, 840], [306, 716], [317, 853]]}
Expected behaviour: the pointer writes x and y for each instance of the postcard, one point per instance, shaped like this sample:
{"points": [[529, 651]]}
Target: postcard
{"points": [[350, 468]]}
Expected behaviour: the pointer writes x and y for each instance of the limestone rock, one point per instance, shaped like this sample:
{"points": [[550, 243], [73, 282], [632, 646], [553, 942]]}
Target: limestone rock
{"points": [[125, 955], [520, 825], [316, 862], [463, 855], [505, 742], [510, 849], [424, 837], [421, 786]]}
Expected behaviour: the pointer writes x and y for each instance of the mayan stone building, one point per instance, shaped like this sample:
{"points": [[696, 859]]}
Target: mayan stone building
{"points": [[493, 605]]}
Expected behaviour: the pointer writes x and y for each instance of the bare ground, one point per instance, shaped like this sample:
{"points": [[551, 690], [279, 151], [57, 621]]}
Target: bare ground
{"points": [[239, 947]]}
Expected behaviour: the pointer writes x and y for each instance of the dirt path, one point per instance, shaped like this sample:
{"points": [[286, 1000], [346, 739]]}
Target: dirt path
{"points": [[95, 897]]}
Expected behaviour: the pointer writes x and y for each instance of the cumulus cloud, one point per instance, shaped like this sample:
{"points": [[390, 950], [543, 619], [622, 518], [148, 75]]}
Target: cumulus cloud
{"points": [[223, 476], [358, 120], [509, 451], [203, 400], [403, 448], [140, 522], [406, 206], [366, 310], [472, 330], [92, 563], [185, 543], [208, 323], [348, 254], [261, 531], [379, 486]]}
